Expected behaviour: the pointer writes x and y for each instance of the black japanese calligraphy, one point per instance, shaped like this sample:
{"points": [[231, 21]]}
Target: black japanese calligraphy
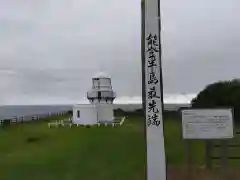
{"points": [[153, 117], [151, 59], [152, 62], [152, 106], [152, 93], [153, 111], [152, 43], [153, 120], [152, 78]]}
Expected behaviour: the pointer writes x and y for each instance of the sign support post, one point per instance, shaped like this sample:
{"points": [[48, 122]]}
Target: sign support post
{"points": [[224, 160], [152, 90], [189, 174]]}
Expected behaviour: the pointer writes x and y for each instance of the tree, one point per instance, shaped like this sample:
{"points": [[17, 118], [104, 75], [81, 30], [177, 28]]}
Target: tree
{"points": [[222, 94]]}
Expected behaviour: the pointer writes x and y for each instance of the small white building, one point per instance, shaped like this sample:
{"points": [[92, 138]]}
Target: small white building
{"points": [[100, 108]]}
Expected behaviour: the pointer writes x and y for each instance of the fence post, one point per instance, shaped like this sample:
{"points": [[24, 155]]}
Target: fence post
{"points": [[208, 155], [224, 160]]}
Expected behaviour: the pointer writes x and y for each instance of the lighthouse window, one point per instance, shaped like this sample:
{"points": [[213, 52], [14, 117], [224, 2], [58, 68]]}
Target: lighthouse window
{"points": [[78, 114]]}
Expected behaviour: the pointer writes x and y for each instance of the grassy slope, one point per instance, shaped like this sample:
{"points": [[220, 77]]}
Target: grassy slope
{"points": [[85, 153], [176, 146], [67, 154]]}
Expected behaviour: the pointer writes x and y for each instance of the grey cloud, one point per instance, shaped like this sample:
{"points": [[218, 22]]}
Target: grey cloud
{"points": [[52, 48]]}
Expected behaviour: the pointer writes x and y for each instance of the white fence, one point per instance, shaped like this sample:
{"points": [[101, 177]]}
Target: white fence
{"points": [[68, 122], [21, 119]]}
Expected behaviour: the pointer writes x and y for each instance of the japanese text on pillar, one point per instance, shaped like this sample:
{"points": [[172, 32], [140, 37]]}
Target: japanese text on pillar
{"points": [[153, 81]]}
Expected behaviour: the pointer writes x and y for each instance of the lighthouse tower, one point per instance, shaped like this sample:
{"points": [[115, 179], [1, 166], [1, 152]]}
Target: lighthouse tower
{"points": [[101, 92], [100, 108]]}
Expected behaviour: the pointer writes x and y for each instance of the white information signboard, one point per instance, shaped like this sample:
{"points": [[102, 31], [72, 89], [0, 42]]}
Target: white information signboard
{"points": [[207, 124], [156, 163]]}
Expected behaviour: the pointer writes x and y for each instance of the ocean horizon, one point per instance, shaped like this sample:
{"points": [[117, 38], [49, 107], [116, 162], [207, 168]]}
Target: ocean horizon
{"points": [[178, 98], [7, 111]]}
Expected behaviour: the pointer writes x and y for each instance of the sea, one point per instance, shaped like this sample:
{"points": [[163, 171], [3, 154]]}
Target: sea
{"points": [[11, 111]]}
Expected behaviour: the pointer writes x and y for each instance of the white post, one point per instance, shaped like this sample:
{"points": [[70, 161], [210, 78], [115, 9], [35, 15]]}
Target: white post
{"points": [[153, 90]]}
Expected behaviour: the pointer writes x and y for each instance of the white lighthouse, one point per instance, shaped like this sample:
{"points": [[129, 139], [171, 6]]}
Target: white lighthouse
{"points": [[100, 108]]}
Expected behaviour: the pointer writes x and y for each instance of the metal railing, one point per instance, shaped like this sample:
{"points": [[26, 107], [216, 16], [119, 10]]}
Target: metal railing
{"points": [[105, 94]]}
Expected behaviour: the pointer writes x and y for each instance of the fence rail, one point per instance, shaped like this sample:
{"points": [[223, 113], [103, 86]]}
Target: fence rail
{"points": [[28, 118], [211, 154], [118, 121]]}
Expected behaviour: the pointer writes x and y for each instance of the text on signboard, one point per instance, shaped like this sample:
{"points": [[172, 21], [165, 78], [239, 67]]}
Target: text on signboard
{"points": [[153, 81]]}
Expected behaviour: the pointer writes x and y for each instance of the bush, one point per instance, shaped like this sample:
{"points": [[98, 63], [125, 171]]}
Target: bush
{"points": [[223, 94], [70, 112], [140, 113]]}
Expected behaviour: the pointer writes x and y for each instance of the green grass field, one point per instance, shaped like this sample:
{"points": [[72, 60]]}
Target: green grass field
{"points": [[34, 151]]}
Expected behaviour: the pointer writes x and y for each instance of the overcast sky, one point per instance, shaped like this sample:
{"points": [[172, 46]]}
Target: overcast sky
{"points": [[49, 50]]}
